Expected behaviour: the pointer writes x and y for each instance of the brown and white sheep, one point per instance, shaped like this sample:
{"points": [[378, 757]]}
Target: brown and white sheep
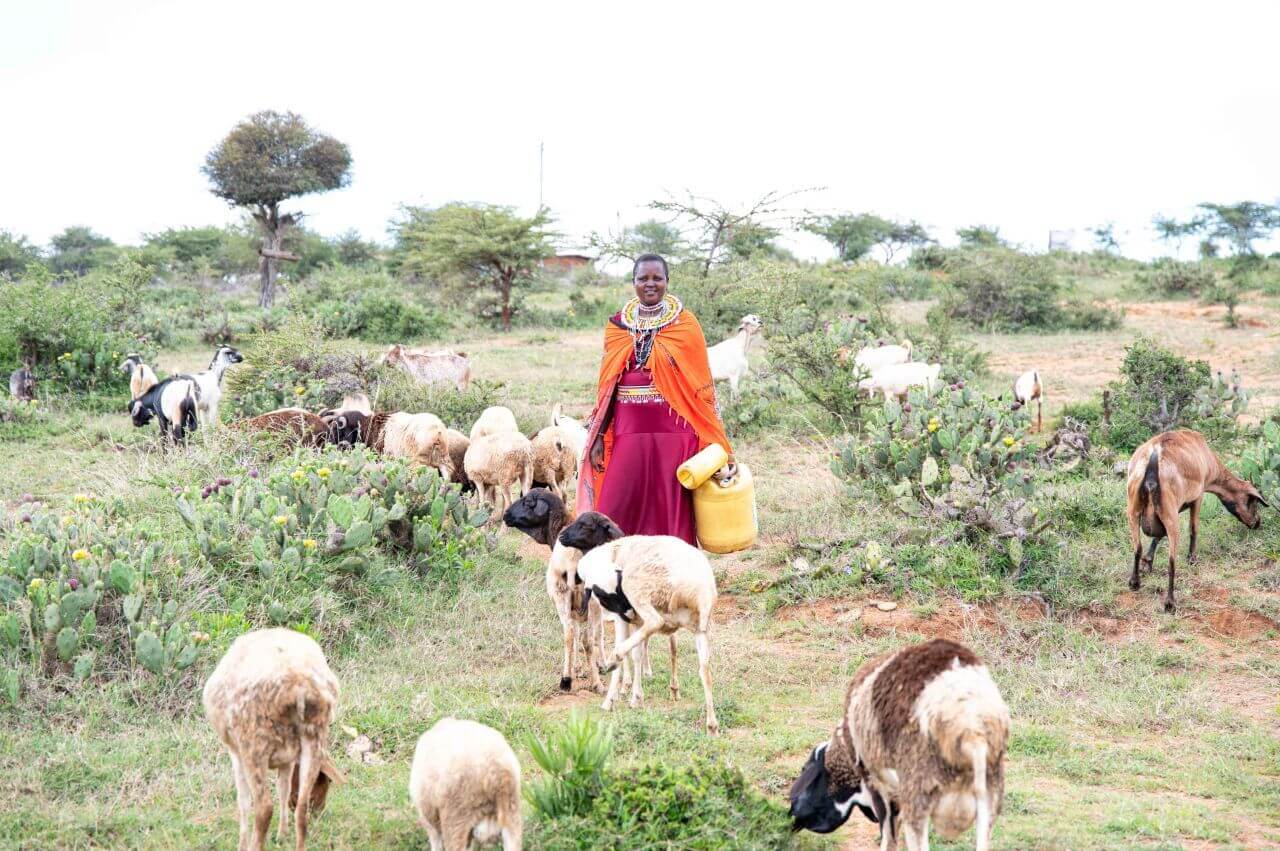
{"points": [[457, 444], [654, 583], [922, 738], [495, 462], [296, 426], [542, 515], [493, 420], [465, 785], [271, 700], [431, 368], [554, 461], [1169, 474]]}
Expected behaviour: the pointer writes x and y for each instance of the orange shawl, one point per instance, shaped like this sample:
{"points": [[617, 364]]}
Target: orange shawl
{"points": [[681, 374]]}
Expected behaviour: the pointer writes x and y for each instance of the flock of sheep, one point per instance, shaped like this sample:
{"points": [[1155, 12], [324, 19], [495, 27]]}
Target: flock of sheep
{"points": [[923, 734]]}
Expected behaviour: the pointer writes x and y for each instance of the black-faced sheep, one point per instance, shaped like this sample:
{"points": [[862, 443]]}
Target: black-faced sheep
{"points": [[1169, 474], [922, 738], [271, 700], [541, 515]]}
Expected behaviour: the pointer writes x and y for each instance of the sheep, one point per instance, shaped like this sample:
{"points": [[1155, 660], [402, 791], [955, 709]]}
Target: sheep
{"points": [[896, 379], [442, 367], [497, 461], [271, 699], [554, 461], [298, 427], [465, 785], [728, 359], [418, 437], [457, 444], [141, 376], [492, 420], [172, 402], [658, 582], [542, 516], [576, 432], [1026, 388], [1168, 475], [22, 384], [923, 737], [871, 358], [210, 382]]}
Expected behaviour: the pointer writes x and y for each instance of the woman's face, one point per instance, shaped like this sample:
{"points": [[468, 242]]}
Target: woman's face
{"points": [[650, 283]]}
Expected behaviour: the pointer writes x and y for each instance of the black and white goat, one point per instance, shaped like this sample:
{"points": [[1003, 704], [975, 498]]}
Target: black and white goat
{"points": [[172, 403], [210, 382]]}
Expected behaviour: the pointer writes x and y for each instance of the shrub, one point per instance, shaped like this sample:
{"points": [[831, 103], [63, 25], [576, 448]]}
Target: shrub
{"points": [[768, 288], [574, 758], [1174, 277], [764, 404], [1002, 290], [820, 364], [395, 390], [1260, 464]]}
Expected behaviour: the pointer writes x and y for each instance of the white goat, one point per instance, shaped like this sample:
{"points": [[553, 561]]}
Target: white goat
{"points": [[872, 358], [1026, 388], [729, 359], [210, 382], [897, 378]]}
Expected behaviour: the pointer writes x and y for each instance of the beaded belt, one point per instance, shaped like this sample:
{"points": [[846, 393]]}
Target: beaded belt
{"points": [[639, 394]]}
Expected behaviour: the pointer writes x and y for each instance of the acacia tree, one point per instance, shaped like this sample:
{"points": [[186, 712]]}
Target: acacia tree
{"points": [[1239, 224], [647, 237], [266, 159], [979, 236], [78, 249], [487, 245], [901, 235], [16, 253], [1104, 237], [851, 235], [1169, 229], [715, 224]]}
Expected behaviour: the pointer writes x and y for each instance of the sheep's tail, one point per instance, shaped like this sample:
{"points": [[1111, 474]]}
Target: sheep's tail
{"points": [[976, 747], [1149, 493], [555, 415], [906, 344]]}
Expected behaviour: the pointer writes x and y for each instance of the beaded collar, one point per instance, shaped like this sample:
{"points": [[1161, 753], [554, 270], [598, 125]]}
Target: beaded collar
{"points": [[637, 321]]}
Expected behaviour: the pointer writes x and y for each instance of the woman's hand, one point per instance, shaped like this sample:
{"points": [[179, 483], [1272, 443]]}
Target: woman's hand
{"points": [[727, 472], [597, 454]]}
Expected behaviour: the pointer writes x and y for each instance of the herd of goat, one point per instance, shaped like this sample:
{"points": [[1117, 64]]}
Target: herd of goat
{"points": [[922, 736]]}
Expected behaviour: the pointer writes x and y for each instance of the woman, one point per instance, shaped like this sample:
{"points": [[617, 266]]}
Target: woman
{"points": [[655, 408]]}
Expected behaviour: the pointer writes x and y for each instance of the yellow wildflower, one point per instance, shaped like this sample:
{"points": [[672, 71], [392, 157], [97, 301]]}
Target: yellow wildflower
{"points": [[67, 520], [298, 474], [299, 390], [1008, 441], [280, 519], [80, 555], [36, 584], [323, 472], [933, 425], [80, 499], [309, 544]]}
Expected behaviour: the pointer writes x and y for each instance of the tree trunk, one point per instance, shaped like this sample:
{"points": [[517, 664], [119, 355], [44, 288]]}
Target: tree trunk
{"points": [[505, 285], [269, 219]]}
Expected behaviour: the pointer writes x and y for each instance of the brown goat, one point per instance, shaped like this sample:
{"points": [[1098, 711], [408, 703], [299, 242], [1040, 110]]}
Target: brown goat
{"points": [[294, 425], [1170, 474]]}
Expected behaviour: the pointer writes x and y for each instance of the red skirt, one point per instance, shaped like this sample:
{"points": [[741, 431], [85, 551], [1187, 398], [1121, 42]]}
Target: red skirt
{"points": [[640, 491]]}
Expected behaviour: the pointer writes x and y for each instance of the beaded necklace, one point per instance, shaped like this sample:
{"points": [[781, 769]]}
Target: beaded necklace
{"points": [[644, 322]]}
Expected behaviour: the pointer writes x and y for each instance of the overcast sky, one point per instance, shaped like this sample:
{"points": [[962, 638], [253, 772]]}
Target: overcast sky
{"points": [[1029, 116]]}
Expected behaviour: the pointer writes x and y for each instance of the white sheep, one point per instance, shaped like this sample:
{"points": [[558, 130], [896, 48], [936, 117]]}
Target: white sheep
{"points": [[728, 359], [897, 378], [493, 420], [495, 462], [1026, 388], [922, 738], [418, 437], [575, 430], [465, 785], [654, 583], [271, 700], [554, 461], [141, 376], [210, 382], [871, 358]]}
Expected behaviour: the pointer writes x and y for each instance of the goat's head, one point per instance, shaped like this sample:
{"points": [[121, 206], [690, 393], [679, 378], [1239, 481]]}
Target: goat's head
{"points": [[140, 413], [130, 363], [821, 805], [589, 531], [226, 355], [1244, 502], [347, 428], [750, 323], [539, 514]]}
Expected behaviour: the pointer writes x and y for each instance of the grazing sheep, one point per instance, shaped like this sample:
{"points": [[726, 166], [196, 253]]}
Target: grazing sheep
{"points": [[923, 738], [210, 382], [271, 700], [457, 444], [658, 583], [298, 427], [465, 785], [495, 462], [542, 516], [493, 420], [728, 359], [141, 376], [576, 431], [442, 367], [22, 384], [896, 379], [554, 462], [418, 437], [1169, 474], [172, 403], [1026, 388]]}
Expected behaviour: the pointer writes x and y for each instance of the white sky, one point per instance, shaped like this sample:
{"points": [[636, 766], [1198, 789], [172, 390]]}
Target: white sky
{"points": [[1029, 116]]}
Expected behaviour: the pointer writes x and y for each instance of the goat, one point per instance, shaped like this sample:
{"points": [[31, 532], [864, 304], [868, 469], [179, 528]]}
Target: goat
{"points": [[871, 358], [660, 583], [141, 376], [1169, 474], [576, 432], [442, 367], [898, 378], [923, 736], [22, 384], [172, 403], [1026, 388], [210, 382], [728, 359], [465, 785], [542, 516], [271, 699], [296, 426]]}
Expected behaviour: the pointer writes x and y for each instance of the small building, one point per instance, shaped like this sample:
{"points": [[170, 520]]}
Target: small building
{"points": [[566, 264]]}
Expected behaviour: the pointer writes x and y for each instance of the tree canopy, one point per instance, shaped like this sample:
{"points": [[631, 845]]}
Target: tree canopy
{"points": [[1239, 224], [16, 254], [979, 236], [78, 249], [487, 245]]}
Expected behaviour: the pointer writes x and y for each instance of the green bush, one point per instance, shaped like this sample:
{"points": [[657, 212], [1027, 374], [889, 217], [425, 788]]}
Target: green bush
{"points": [[772, 290], [820, 365], [1175, 278], [1260, 464], [574, 758]]}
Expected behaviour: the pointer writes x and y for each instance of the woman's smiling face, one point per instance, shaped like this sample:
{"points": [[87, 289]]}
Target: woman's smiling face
{"points": [[650, 282]]}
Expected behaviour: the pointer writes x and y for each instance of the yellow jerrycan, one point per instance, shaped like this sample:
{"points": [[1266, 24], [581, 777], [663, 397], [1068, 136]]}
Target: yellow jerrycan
{"points": [[725, 513]]}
